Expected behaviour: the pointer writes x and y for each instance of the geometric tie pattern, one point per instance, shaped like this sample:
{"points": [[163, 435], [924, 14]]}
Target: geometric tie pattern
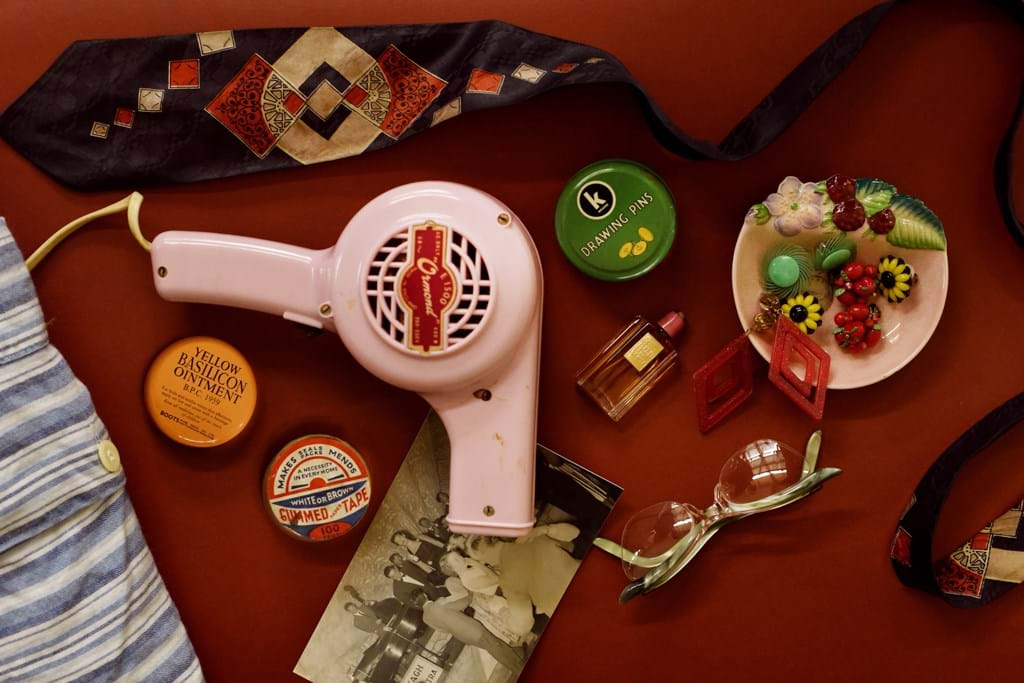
{"points": [[144, 111]]}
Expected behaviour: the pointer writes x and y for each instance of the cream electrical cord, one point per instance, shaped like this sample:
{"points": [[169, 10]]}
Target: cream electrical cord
{"points": [[130, 204]]}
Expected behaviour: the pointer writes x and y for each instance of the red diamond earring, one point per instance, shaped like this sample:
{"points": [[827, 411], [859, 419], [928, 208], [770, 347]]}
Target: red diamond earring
{"points": [[808, 391], [726, 381]]}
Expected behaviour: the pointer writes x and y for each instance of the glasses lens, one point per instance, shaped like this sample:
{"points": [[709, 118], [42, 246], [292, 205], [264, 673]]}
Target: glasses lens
{"points": [[653, 531], [759, 470]]}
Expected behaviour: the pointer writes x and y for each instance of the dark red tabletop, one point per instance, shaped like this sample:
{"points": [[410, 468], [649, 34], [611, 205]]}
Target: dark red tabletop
{"points": [[804, 592]]}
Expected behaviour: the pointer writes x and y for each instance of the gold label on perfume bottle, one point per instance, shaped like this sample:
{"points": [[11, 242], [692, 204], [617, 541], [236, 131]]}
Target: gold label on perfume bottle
{"points": [[644, 351]]}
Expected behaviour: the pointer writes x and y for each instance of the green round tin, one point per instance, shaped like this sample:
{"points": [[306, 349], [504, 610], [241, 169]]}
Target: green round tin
{"points": [[615, 220]]}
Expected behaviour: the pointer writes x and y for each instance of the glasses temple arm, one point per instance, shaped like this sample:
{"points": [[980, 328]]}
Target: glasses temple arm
{"points": [[630, 557], [811, 453], [803, 488], [669, 568]]}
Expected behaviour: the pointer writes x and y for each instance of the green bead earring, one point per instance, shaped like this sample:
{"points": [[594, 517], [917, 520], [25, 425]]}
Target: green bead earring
{"points": [[835, 252], [786, 269]]}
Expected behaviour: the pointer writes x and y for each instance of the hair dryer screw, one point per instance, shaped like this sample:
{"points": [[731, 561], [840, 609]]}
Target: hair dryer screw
{"points": [[489, 510], [483, 394], [504, 219], [325, 310], [161, 271]]}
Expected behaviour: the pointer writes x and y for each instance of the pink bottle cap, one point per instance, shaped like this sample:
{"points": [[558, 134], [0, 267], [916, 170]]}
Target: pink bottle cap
{"points": [[673, 323]]}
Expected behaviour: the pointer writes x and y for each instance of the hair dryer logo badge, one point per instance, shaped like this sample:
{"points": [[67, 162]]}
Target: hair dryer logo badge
{"points": [[427, 288]]}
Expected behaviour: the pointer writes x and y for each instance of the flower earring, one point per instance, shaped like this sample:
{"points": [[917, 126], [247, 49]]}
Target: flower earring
{"points": [[795, 207], [805, 312], [895, 279]]}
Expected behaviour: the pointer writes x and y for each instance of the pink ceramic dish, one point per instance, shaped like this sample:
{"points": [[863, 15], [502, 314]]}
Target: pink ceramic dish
{"points": [[906, 326]]}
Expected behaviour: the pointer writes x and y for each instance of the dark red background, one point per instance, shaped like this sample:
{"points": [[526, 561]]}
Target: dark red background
{"points": [[807, 591]]}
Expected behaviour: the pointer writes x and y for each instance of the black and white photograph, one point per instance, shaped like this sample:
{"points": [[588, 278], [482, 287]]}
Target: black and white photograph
{"points": [[421, 604]]}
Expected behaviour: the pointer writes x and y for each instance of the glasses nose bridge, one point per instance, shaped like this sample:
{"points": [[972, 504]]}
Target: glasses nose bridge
{"points": [[719, 505]]}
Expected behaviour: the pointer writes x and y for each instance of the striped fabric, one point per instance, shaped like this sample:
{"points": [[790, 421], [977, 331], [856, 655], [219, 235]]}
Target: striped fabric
{"points": [[80, 596]]}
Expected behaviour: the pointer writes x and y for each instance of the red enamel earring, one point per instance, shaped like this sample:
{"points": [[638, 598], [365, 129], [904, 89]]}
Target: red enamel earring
{"points": [[726, 381]]}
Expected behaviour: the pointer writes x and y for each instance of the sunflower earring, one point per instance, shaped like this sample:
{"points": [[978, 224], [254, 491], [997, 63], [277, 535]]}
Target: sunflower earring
{"points": [[805, 311], [895, 279]]}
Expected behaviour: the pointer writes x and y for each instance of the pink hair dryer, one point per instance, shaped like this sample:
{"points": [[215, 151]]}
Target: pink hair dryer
{"points": [[433, 287]]}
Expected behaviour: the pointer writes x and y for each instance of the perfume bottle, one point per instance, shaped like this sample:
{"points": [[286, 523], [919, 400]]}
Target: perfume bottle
{"points": [[631, 363]]}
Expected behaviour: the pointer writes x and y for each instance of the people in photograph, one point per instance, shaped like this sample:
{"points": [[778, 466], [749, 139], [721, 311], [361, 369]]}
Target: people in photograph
{"points": [[447, 615], [405, 589], [364, 619], [394, 621], [375, 618], [436, 528], [417, 570], [370, 655], [475, 576], [373, 614], [562, 533], [535, 570], [457, 542], [424, 547], [351, 590], [378, 665]]}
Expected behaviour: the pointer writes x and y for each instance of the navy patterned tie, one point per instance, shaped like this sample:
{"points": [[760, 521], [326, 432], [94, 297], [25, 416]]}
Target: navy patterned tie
{"points": [[143, 111], [272, 98], [989, 563]]}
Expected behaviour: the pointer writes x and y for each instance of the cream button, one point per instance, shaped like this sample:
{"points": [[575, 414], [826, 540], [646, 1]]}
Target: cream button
{"points": [[109, 456]]}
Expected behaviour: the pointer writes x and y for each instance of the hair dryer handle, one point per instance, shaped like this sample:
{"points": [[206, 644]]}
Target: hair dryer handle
{"points": [[494, 447], [204, 267]]}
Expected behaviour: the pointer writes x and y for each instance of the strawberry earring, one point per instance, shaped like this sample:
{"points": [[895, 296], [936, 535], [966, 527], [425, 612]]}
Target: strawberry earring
{"points": [[858, 327]]}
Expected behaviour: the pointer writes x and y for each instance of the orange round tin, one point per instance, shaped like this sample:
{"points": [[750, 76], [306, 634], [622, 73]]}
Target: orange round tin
{"points": [[317, 488], [200, 392]]}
